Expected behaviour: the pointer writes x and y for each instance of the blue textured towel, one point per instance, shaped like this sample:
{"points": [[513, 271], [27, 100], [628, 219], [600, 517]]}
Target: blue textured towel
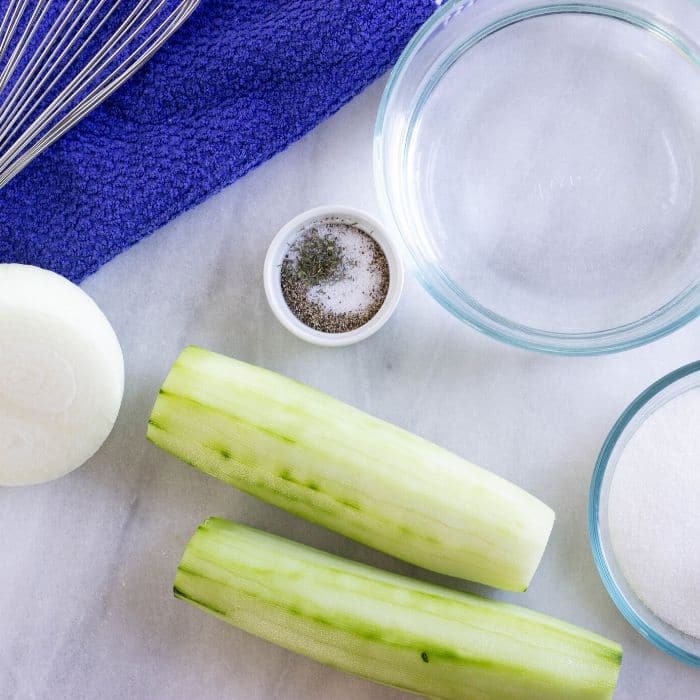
{"points": [[241, 81]]}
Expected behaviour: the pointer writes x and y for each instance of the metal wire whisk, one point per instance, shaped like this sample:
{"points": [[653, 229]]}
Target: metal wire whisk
{"points": [[61, 59]]}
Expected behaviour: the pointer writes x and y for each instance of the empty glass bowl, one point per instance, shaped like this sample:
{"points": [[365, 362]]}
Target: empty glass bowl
{"points": [[541, 162]]}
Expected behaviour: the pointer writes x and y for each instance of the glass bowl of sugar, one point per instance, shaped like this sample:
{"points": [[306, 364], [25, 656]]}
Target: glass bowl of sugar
{"points": [[644, 514]]}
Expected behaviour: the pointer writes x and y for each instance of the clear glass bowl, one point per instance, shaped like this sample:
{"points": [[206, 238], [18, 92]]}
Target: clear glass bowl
{"points": [[541, 162], [649, 625]]}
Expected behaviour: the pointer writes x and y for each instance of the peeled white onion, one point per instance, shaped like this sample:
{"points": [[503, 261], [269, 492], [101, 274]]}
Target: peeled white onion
{"points": [[61, 376]]}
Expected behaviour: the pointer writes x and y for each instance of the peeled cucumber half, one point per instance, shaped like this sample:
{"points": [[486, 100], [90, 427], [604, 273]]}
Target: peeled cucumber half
{"points": [[388, 628], [61, 376], [301, 450]]}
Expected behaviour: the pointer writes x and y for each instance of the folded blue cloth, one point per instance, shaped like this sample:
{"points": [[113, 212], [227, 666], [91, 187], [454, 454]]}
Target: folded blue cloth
{"points": [[238, 83]]}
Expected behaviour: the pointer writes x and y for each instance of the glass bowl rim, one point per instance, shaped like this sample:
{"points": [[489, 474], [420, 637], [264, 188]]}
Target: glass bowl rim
{"points": [[650, 327], [628, 610]]}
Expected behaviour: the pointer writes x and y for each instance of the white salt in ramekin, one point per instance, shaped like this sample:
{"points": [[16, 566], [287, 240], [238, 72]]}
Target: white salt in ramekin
{"points": [[273, 266]]}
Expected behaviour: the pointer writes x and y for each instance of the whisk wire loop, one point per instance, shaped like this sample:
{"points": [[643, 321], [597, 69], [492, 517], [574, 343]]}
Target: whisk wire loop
{"points": [[59, 59]]}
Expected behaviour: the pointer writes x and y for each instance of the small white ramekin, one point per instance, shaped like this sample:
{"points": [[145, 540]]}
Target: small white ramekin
{"points": [[273, 266]]}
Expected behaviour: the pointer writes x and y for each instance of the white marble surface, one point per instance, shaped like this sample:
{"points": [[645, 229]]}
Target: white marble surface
{"points": [[86, 609]]}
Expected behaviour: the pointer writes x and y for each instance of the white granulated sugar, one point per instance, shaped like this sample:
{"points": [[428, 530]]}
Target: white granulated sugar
{"points": [[654, 512], [363, 280]]}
